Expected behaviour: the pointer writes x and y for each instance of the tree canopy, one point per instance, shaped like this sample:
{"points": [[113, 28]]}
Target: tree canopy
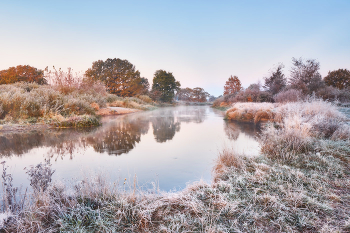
{"points": [[197, 94], [305, 76], [119, 76], [338, 78], [164, 86], [233, 85], [276, 82], [22, 73]]}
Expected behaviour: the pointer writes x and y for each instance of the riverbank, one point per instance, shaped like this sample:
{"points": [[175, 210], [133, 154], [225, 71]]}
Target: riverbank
{"points": [[277, 112], [29, 106], [299, 183], [67, 122]]}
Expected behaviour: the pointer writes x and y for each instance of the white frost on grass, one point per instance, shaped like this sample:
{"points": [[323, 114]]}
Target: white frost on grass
{"points": [[4, 216]]}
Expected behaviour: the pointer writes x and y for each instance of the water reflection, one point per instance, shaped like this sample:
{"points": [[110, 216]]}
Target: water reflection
{"points": [[196, 134], [188, 115], [117, 136], [165, 125], [233, 129], [21, 143]]}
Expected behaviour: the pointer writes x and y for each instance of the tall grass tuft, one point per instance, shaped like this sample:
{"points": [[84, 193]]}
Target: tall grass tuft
{"points": [[301, 124]]}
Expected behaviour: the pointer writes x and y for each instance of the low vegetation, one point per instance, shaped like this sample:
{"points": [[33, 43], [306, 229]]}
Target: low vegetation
{"points": [[299, 183], [69, 101], [251, 112], [311, 110]]}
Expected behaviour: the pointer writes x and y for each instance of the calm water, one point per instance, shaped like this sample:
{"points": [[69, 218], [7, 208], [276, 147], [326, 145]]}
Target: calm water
{"points": [[169, 146]]}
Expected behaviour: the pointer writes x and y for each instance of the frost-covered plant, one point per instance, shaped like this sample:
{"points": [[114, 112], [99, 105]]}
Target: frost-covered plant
{"points": [[300, 124], [291, 95], [40, 176], [9, 195], [251, 111]]}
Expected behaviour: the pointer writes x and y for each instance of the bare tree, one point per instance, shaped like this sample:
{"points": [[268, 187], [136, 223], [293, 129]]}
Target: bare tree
{"points": [[305, 76]]}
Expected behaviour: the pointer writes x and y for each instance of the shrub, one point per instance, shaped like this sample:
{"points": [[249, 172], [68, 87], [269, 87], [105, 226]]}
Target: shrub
{"points": [[68, 82], [301, 123], [78, 121], [22, 101], [291, 95], [145, 98], [111, 98], [247, 95], [333, 94], [250, 112], [40, 176]]}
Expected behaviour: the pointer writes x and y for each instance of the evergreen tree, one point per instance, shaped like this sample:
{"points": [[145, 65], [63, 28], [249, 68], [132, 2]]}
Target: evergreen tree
{"points": [[276, 82]]}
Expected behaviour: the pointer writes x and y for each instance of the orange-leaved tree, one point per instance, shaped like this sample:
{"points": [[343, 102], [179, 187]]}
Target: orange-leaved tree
{"points": [[199, 95], [119, 76], [338, 78], [233, 85], [22, 73]]}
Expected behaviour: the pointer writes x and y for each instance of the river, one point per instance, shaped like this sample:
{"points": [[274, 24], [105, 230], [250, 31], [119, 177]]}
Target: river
{"points": [[166, 148]]}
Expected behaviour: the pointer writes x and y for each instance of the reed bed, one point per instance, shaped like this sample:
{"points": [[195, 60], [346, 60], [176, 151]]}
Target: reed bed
{"points": [[61, 105]]}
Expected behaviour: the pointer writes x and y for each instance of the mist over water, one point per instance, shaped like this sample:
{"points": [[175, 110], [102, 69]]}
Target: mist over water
{"points": [[168, 146]]}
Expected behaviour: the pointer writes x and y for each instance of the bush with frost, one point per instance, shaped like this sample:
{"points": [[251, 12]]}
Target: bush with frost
{"points": [[291, 95], [301, 123]]}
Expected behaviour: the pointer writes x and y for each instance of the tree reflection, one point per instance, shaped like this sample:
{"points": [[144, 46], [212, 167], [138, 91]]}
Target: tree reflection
{"points": [[164, 128], [119, 137], [196, 115], [233, 129], [116, 136], [21, 143]]}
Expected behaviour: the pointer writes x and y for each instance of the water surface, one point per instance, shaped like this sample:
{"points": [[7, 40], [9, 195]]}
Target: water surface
{"points": [[169, 146]]}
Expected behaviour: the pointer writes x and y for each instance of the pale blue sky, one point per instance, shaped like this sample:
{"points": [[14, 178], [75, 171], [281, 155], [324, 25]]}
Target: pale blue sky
{"points": [[201, 42]]}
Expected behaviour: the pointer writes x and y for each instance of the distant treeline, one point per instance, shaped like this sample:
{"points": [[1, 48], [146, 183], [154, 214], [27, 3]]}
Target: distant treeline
{"points": [[304, 80]]}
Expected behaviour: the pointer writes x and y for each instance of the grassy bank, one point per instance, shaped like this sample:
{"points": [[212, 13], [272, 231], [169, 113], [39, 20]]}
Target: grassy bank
{"points": [[277, 112], [299, 183], [60, 105]]}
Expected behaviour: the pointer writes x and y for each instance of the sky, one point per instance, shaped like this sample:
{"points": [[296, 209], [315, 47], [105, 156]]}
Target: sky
{"points": [[201, 42]]}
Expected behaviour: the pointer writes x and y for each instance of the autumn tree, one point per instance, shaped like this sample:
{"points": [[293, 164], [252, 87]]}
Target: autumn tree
{"points": [[119, 76], [232, 86], [305, 76], [184, 94], [164, 86], [276, 82], [338, 78], [22, 73], [197, 94]]}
